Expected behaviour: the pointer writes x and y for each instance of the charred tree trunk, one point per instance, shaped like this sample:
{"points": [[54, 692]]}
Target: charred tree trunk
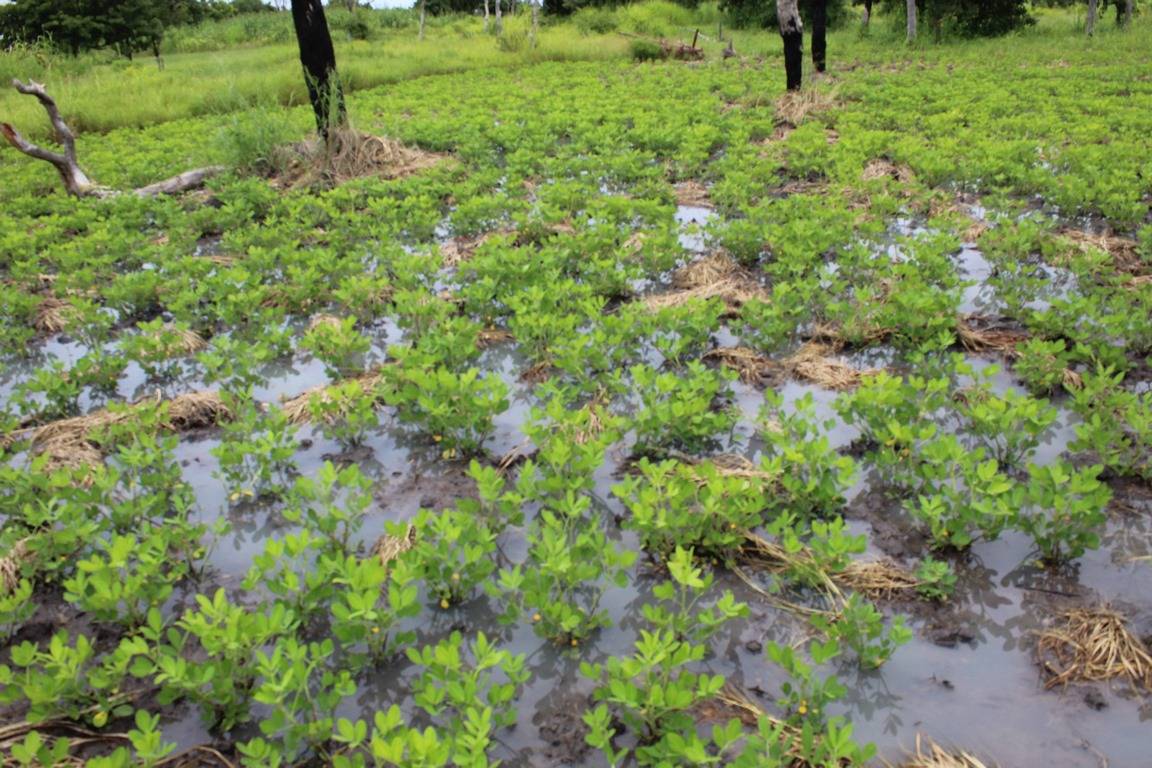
{"points": [[819, 33], [76, 182], [792, 33], [318, 58], [1090, 23], [867, 12], [911, 20]]}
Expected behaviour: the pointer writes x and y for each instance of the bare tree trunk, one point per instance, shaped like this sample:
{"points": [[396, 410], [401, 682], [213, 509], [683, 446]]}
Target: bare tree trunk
{"points": [[1090, 24], [423, 3], [1128, 12], [867, 12], [499, 18], [819, 34], [76, 182], [318, 58], [911, 20], [792, 33], [535, 21], [485, 15]]}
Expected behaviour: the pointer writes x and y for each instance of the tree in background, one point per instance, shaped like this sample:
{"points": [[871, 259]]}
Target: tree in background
{"points": [[969, 18], [318, 58]]}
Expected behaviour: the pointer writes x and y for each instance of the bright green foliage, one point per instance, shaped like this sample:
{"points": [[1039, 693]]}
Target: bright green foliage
{"points": [[1063, 509], [454, 552], [680, 412], [859, 626]]}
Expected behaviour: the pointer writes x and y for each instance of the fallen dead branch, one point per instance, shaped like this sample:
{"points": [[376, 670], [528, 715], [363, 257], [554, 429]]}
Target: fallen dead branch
{"points": [[752, 367], [1094, 645], [935, 756], [491, 336], [877, 578], [348, 155], [75, 180]]}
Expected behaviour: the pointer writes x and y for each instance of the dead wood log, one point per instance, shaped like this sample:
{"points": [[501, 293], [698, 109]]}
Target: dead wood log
{"points": [[76, 181]]}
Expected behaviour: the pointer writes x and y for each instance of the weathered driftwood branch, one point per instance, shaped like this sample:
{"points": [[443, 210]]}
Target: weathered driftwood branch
{"points": [[76, 181]]}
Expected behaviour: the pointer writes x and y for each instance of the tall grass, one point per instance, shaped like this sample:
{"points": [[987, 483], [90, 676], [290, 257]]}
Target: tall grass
{"points": [[100, 94]]}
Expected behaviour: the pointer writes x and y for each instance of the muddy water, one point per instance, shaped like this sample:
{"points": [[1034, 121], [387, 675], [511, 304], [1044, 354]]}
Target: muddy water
{"points": [[967, 677]]}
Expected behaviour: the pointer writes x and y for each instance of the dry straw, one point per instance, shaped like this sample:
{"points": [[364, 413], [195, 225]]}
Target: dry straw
{"points": [[812, 363], [1123, 250], [976, 339], [692, 193], [715, 276], [10, 565], [53, 315], [71, 443], [794, 106], [1093, 645], [929, 754], [883, 168], [348, 155], [298, 408], [389, 547]]}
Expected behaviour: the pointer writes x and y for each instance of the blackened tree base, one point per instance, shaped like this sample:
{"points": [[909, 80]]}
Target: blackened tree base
{"points": [[819, 33], [319, 61], [794, 58]]}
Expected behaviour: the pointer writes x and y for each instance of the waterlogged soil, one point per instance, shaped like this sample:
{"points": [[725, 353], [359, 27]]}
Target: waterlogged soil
{"points": [[967, 678]]}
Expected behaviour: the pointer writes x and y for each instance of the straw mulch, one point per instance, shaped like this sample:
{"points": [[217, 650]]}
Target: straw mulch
{"points": [[1122, 249], [489, 337], [932, 755], [323, 321], [883, 168], [881, 579], [1092, 645], [71, 443], [692, 193], [976, 339], [53, 316], [298, 408], [734, 702], [460, 249], [348, 155], [809, 363], [794, 106], [183, 340], [10, 566], [389, 547], [715, 276]]}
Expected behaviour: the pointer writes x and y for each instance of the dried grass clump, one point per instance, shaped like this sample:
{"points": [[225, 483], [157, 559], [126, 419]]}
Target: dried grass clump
{"points": [[389, 547], [976, 339], [297, 409], [53, 316], [71, 443], [1093, 644], [752, 367], [877, 578], [1121, 249], [692, 193], [812, 363], [935, 756], [184, 340], [10, 566], [491, 336], [715, 276], [349, 154], [794, 106], [460, 249], [323, 321], [883, 168]]}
